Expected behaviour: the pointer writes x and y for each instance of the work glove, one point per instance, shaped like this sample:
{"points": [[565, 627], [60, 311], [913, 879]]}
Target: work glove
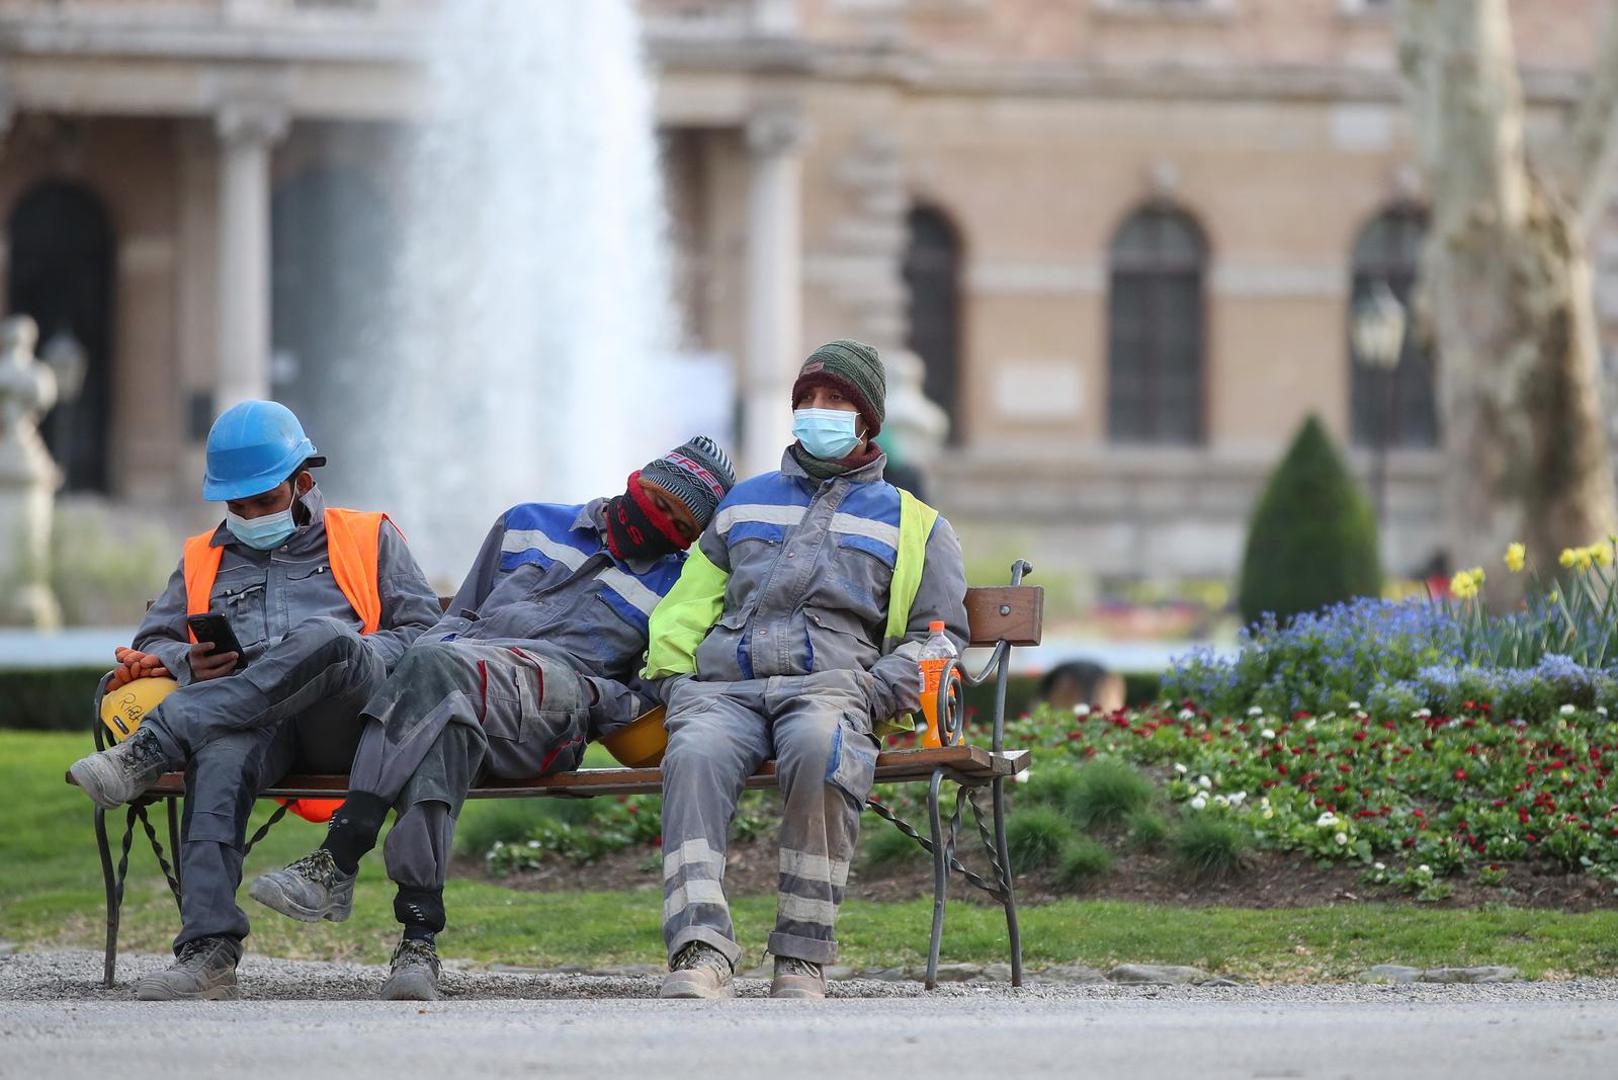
{"points": [[134, 664]]}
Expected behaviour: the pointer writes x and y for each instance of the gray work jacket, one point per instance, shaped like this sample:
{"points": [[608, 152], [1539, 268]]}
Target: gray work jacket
{"points": [[265, 594], [808, 586], [560, 592]]}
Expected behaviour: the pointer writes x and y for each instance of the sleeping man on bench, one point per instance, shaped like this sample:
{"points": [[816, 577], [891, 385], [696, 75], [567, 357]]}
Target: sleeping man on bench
{"points": [[793, 634], [322, 602], [534, 657]]}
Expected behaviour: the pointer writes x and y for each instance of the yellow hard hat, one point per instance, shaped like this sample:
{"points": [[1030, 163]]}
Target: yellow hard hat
{"points": [[123, 708], [641, 744]]}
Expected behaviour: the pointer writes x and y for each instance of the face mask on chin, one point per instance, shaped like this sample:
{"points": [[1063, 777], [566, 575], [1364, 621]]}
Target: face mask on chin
{"points": [[828, 434], [262, 533]]}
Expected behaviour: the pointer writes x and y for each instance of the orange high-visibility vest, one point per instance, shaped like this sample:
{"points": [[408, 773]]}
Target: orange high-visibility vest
{"points": [[353, 539]]}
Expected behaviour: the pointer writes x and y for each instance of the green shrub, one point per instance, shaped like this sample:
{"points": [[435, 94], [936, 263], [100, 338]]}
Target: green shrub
{"points": [[1313, 537], [1082, 861], [511, 821], [50, 699], [889, 847], [1210, 848], [1036, 837], [1055, 786], [1147, 829], [1107, 791]]}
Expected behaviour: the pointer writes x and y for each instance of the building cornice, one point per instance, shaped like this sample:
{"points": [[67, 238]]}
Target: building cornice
{"points": [[393, 44]]}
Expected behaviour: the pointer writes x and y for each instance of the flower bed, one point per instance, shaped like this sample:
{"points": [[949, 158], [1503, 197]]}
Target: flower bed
{"points": [[1424, 789]]}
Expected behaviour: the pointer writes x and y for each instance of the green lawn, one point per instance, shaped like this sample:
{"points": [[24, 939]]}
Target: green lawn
{"points": [[50, 894]]}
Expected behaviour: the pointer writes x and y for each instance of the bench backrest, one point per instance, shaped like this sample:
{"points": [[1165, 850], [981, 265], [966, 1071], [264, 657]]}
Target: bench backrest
{"points": [[1012, 613]]}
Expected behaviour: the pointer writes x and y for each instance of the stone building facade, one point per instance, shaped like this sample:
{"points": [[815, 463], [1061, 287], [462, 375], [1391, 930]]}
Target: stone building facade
{"points": [[1124, 235]]}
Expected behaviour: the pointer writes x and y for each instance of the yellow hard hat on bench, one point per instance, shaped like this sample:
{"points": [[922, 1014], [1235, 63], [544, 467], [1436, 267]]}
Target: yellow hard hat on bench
{"points": [[641, 744], [123, 708]]}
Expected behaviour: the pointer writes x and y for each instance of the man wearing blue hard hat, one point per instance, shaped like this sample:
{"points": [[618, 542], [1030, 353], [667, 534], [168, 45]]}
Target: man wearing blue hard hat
{"points": [[322, 603]]}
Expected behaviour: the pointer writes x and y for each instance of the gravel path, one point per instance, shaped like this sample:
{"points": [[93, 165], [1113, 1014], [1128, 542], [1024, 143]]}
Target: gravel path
{"points": [[56, 1021]]}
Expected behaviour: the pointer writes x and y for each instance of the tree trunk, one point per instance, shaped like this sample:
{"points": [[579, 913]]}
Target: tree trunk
{"points": [[1526, 455], [1508, 299]]}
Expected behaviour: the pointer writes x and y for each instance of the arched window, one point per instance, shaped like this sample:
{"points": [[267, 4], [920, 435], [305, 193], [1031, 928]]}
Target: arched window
{"points": [[333, 252], [1155, 324], [932, 274], [1388, 250], [61, 273]]}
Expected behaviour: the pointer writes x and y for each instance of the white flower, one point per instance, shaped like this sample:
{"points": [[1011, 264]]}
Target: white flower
{"points": [[1188, 714], [1198, 803], [1326, 820], [1421, 714], [533, 843], [1268, 733], [1264, 801], [1181, 769], [1238, 798], [1380, 866], [1309, 724], [1341, 838], [1221, 800], [1354, 706], [1204, 783], [1081, 710], [1268, 813], [1424, 869], [1255, 711], [1602, 709], [1568, 710]]}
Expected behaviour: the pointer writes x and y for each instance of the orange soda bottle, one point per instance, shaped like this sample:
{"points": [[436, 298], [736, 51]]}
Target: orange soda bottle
{"points": [[935, 657]]}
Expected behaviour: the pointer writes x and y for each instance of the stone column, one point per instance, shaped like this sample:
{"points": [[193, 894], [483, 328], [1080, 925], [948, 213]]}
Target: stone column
{"points": [[775, 286], [247, 133]]}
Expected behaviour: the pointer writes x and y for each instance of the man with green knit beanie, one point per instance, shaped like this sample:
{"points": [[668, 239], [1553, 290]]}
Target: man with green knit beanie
{"points": [[793, 634]]}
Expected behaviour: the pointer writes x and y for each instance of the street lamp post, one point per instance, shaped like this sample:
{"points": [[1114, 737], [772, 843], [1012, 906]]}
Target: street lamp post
{"points": [[1378, 333]]}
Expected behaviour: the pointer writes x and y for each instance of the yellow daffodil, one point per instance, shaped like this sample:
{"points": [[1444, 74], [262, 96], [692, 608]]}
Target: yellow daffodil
{"points": [[1465, 584], [1600, 554], [1568, 557], [1516, 556]]}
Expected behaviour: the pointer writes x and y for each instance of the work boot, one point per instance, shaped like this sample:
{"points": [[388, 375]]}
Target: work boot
{"points": [[415, 972], [796, 978], [311, 889], [120, 773], [205, 970], [698, 971]]}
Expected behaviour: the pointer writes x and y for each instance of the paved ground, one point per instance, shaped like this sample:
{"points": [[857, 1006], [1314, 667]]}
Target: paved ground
{"points": [[55, 1022]]}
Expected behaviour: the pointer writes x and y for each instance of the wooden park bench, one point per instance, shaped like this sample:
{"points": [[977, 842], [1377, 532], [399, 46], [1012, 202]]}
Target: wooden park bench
{"points": [[999, 618]]}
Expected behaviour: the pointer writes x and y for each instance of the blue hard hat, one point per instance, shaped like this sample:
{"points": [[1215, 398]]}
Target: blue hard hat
{"points": [[252, 448]]}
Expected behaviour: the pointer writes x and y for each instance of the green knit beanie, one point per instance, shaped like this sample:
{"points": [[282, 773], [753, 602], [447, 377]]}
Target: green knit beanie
{"points": [[854, 368]]}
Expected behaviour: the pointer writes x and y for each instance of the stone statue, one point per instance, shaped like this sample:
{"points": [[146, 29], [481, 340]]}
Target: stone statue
{"points": [[28, 480], [916, 426]]}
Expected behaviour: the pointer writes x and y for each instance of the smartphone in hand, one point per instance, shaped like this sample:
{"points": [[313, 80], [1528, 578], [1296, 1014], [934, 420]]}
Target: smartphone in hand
{"points": [[215, 628]]}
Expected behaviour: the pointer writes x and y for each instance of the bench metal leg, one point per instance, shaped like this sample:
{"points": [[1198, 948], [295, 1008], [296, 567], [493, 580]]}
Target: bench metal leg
{"points": [[940, 876], [174, 836], [114, 900], [1009, 897]]}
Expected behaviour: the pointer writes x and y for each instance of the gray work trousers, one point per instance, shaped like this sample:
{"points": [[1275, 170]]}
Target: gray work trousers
{"points": [[817, 727], [298, 704], [453, 711]]}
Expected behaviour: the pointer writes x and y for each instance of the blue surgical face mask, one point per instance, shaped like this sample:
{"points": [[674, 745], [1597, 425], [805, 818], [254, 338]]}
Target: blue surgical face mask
{"points": [[264, 533], [828, 434]]}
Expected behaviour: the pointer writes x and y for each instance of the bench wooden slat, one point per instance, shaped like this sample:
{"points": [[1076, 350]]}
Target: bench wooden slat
{"points": [[892, 766], [1015, 613]]}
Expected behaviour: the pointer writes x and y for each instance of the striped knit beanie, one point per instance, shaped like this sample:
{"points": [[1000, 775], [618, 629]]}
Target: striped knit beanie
{"points": [[697, 473], [854, 368]]}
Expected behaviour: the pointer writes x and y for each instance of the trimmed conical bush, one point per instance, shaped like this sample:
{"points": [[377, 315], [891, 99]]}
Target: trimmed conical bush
{"points": [[1313, 538]]}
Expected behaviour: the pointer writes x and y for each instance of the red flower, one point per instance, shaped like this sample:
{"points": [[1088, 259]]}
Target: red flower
{"points": [[1460, 774]]}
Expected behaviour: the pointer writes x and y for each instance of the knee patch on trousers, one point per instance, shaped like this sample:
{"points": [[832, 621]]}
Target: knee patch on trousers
{"points": [[419, 909], [851, 765]]}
